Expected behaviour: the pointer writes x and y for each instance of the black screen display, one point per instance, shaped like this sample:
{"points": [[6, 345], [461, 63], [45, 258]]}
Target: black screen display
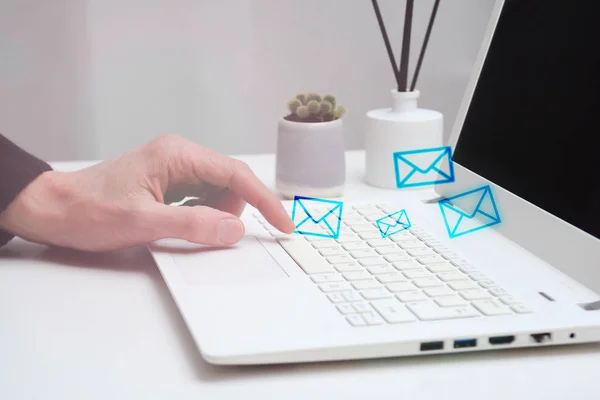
{"points": [[533, 125]]}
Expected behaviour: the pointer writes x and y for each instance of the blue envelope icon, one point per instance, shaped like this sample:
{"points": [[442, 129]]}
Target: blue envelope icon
{"points": [[317, 217], [479, 207], [393, 223], [423, 167]]}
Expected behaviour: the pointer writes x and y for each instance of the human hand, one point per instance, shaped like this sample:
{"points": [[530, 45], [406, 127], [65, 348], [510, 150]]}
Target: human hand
{"points": [[123, 202]]}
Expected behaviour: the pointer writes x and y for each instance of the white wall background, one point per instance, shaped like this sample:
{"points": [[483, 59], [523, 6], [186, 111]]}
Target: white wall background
{"points": [[88, 79]]}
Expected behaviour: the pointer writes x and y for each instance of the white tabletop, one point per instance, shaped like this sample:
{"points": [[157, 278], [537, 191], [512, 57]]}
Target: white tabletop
{"points": [[81, 326]]}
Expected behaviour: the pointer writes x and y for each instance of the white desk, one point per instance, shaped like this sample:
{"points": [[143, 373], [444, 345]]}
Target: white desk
{"points": [[103, 326]]}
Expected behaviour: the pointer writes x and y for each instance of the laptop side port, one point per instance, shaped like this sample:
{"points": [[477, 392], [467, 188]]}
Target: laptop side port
{"points": [[501, 339], [428, 346], [541, 337], [463, 343]]}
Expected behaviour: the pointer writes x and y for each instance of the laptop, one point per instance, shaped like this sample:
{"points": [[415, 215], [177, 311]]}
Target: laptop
{"points": [[506, 256]]}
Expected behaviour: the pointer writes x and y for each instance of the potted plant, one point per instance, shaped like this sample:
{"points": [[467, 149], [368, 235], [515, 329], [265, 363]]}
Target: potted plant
{"points": [[310, 158]]}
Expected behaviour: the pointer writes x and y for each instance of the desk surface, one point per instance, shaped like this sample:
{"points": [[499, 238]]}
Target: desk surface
{"points": [[77, 325]]}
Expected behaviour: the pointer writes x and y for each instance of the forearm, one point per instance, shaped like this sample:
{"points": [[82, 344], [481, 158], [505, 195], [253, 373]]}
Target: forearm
{"points": [[18, 169]]}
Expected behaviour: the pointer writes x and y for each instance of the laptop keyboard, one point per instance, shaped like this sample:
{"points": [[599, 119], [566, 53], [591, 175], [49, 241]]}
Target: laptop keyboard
{"points": [[407, 277]]}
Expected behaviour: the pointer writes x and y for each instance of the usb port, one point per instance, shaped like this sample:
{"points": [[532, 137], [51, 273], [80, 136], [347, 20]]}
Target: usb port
{"points": [[502, 339], [541, 337], [427, 346], [462, 343]]}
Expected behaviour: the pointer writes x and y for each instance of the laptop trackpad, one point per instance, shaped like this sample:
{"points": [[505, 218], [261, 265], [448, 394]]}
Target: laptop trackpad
{"points": [[246, 261]]}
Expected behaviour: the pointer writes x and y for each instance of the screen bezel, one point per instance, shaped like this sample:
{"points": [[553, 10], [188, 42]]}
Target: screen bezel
{"points": [[529, 226]]}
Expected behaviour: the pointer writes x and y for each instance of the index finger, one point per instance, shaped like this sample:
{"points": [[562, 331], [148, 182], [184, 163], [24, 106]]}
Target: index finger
{"points": [[221, 170]]}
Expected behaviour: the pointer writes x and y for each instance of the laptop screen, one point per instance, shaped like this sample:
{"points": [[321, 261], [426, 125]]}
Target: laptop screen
{"points": [[533, 124]]}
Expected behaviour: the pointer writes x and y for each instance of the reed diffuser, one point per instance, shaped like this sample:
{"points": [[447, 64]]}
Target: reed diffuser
{"points": [[403, 126]]}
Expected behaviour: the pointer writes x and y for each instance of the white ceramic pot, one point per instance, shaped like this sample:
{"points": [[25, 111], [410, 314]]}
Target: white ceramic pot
{"points": [[310, 158], [402, 127]]}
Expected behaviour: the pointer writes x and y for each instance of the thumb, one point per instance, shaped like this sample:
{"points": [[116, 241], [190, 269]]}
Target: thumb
{"points": [[198, 224]]}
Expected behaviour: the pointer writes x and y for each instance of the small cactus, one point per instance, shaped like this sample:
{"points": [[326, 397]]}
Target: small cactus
{"points": [[330, 98], [326, 108], [294, 104], [302, 112], [312, 107], [313, 96], [302, 98], [339, 111]]}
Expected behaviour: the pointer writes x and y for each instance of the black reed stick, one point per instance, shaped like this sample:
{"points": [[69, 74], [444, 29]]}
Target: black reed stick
{"points": [[387, 41], [403, 71], [424, 46]]}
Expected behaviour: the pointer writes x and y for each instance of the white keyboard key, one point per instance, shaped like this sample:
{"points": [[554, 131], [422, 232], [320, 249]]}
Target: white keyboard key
{"points": [[441, 267], [347, 267], [461, 263], [389, 250], [393, 311], [475, 294], [363, 253], [397, 257], [364, 228], [332, 252], [381, 269], [404, 236], [352, 220], [367, 208], [414, 244], [407, 265], [432, 312], [491, 307], [427, 282], [372, 318], [380, 243], [372, 261], [417, 273], [334, 287], [430, 259], [421, 252], [391, 277], [509, 300], [451, 276], [370, 235], [451, 301], [374, 217], [356, 246], [356, 320], [362, 307], [478, 276], [351, 296], [463, 285], [371, 284], [336, 298], [349, 239], [521, 308], [321, 278], [324, 244], [311, 238], [374, 294], [346, 309], [400, 287], [496, 291], [413, 295], [305, 256], [357, 276], [438, 291], [487, 283], [339, 259]]}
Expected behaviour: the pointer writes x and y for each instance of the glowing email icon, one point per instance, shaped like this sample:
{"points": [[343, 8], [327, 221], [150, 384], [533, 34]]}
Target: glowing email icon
{"points": [[317, 217], [479, 207], [393, 223], [423, 167]]}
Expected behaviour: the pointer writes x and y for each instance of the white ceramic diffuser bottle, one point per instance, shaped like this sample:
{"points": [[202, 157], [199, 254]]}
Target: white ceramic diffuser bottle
{"points": [[402, 127]]}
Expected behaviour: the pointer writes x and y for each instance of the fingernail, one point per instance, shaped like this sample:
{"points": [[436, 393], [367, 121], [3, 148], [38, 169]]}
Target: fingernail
{"points": [[230, 231]]}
